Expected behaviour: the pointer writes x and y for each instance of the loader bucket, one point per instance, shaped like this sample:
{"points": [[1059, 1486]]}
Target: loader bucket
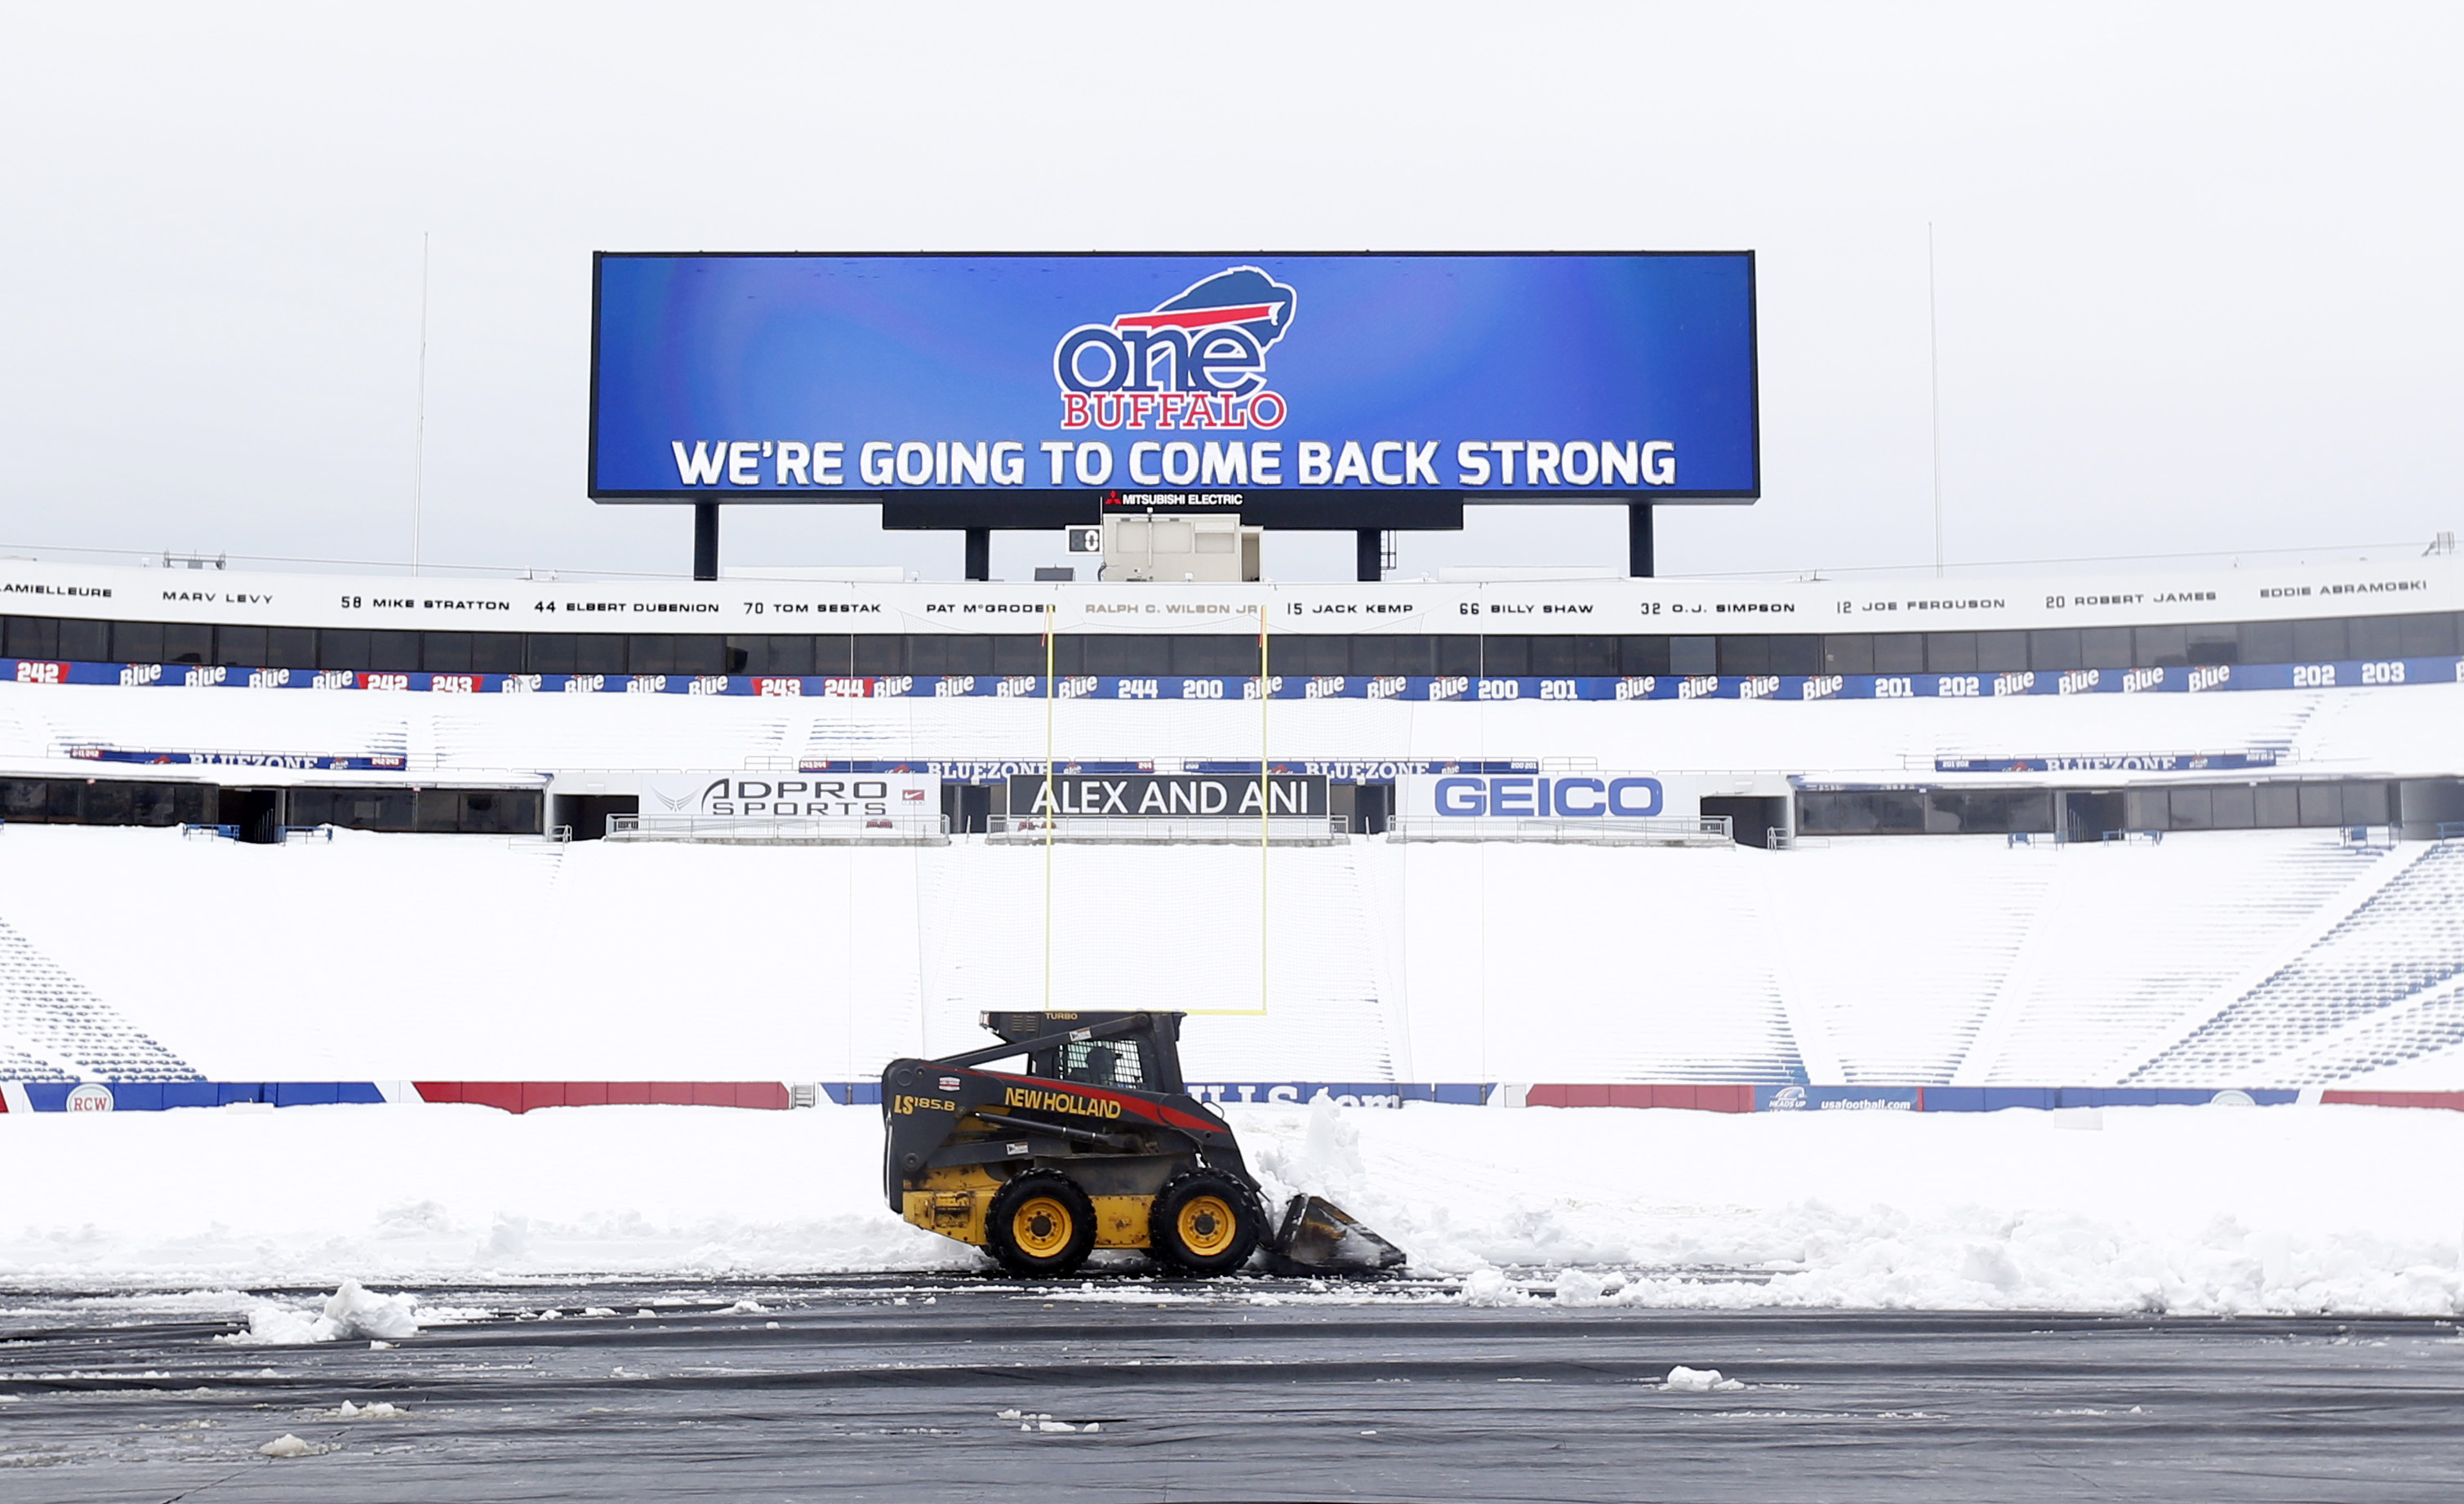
{"points": [[1319, 1237]]}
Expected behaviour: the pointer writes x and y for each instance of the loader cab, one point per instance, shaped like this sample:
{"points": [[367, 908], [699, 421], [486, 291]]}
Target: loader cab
{"points": [[1103, 1063], [1143, 1058]]}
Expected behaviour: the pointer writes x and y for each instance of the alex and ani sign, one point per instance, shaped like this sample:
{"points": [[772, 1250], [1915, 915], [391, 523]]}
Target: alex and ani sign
{"points": [[1167, 796]]}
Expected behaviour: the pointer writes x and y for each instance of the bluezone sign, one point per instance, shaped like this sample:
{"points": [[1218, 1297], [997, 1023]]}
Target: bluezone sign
{"points": [[1298, 390]]}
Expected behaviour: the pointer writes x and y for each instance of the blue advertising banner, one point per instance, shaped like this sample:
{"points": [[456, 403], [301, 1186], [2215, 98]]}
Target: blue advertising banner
{"points": [[2389, 673], [1300, 389], [2111, 763], [304, 762], [994, 771]]}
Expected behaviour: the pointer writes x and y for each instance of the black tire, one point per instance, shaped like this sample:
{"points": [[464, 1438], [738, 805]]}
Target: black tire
{"points": [[1205, 1222], [1041, 1223]]}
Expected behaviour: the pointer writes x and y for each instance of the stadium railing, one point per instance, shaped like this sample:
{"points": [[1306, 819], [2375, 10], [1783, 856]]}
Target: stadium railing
{"points": [[811, 830], [1187, 831], [1700, 830]]}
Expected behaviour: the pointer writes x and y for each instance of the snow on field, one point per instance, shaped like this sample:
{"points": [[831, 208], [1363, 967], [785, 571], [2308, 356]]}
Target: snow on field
{"points": [[2181, 1210]]}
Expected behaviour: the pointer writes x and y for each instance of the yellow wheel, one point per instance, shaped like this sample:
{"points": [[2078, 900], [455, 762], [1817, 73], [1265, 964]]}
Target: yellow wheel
{"points": [[1041, 1226], [1204, 1222], [1040, 1222], [1207, 1224]]}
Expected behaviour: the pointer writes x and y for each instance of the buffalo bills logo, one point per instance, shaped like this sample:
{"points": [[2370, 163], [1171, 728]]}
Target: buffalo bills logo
{"points": [[1197, 360]]}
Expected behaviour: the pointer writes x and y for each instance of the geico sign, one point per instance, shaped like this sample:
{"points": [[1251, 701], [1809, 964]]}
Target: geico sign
{"points": [[1533, 795]]}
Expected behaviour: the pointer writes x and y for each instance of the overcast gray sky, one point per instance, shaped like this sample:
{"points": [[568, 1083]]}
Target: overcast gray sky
{"points": [[2197, 265]]}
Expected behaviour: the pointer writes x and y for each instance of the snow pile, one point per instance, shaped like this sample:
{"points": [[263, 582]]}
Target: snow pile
{"points": [[287, 1445], [2281, 1209], [350, 1312], [1326, 1161], [1034, 1422], [1582, 1287], [373, 1410], [1487, 1287], [1682, 1379]]}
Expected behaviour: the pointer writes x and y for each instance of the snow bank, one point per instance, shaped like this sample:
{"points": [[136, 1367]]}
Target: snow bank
{"points": [[205, 1197], [2182, 1209], [2173, 1208]]}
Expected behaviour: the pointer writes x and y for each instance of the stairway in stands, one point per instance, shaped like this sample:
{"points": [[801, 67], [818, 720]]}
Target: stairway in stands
{"points": [[2407, 940], [2421, 1026], [2129, 939], [52, 1029]]}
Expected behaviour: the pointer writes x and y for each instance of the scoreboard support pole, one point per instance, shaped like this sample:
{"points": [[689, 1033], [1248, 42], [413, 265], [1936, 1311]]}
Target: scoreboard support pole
{"points": [[1637, 540], [979, 553], [1368, 562], [705, 540]]}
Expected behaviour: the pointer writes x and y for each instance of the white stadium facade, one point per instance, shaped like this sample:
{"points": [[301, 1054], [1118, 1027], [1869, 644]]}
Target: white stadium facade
{"points": [[2181, 831]]}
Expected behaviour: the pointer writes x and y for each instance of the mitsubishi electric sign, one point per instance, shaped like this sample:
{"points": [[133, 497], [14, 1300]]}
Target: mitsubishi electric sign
{"points": [[1298, 390]]}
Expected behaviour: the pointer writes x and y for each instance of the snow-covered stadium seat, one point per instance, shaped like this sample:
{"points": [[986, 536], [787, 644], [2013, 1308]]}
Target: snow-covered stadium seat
{"points": [[2402, 942], [52, 1029]]}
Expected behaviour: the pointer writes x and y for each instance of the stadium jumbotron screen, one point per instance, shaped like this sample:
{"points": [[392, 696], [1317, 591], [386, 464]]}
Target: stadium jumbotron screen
{"points": [[1301, 390]]}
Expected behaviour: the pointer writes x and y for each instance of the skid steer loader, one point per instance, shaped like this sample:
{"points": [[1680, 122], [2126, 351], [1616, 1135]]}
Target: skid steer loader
{"points": [[1096, 1146]]}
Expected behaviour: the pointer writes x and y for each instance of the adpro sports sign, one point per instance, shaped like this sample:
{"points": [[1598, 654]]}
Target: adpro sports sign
{"points": [[901, 797], [1300, 391]]}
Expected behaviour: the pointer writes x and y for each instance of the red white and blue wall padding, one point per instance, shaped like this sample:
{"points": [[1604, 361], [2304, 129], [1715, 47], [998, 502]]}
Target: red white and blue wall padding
{"points": [[522, 1096]]}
